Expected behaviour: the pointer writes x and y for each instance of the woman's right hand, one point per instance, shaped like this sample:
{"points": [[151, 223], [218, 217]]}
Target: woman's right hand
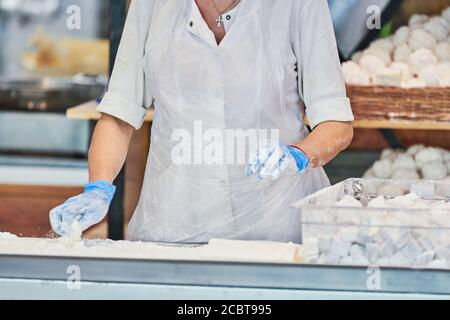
{"points": [[86, 209]]}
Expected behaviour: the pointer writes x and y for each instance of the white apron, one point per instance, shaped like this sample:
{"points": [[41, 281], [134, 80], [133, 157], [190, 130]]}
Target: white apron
{"points": [[244, 83]]}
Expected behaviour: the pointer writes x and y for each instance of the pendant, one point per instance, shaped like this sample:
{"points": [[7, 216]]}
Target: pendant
{"points": [[219, 21]]}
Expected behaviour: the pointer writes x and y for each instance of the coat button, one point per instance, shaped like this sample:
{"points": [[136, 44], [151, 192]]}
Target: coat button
{"points": [[191, 24], [228, 17]]}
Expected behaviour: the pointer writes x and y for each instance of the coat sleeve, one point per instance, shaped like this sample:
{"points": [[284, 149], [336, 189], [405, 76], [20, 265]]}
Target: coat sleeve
{"points": [[128, 97], [321, 82]]}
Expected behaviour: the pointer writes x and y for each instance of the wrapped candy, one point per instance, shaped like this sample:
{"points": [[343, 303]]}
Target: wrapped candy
{"points": [[435, 76]]}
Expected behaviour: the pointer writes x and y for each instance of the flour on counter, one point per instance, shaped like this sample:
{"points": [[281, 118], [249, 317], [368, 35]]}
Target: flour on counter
{"points": [[216, 250]]}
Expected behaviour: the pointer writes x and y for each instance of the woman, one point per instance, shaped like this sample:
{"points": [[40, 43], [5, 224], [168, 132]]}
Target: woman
{"points": [[219, 65]]}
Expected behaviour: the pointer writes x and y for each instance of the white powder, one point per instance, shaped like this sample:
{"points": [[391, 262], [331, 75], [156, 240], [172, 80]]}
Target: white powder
{"points": [[222, 250]]}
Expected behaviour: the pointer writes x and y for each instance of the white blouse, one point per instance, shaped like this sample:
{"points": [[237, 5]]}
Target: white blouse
{"points": [[275, 54], [307, 24]]}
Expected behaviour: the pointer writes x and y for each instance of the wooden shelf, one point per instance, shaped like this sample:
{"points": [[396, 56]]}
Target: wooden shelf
{"points": [[401, 125], [88, 111]]}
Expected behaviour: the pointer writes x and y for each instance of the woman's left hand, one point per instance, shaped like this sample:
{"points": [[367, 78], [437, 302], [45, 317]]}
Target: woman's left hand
{"points": [[271, 160]]}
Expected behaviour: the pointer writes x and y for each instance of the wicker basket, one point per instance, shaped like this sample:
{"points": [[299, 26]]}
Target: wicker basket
{"points": [[391, 103]]}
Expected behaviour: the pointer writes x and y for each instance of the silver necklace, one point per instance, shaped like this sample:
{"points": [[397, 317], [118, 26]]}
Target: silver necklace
{"points": [[219, 19]]}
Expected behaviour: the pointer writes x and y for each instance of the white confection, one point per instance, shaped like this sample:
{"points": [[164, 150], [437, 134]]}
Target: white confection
{"points": [[379, 53], [435, 76], [366, 235], [349, 67], [369, 174], [404, 161], [356, 57], [383, 168], [413, 150], [405, 201], [401, 36], [430, 76], [447, 164], [438, 27], [421, 59], [438, 264], [412, 250], [403, 68], [348, 201], [426, 243], [425, 258], [406, 175], [421, 39], [357, 78], [402, 53], [391, 190], [386, 45], [378, 202], [340, 248], [428, 155], [388, 77], [418, 20], [414, 83], [389, 154], [372, 251], [349, 234], [435, 170], [446, 14], [371, 64], [325, 244], [442, 51]]}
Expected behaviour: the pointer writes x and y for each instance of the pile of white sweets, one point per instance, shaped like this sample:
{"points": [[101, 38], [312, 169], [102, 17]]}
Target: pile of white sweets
{"points": [[418, 162], [383, 233], [417, 56]]}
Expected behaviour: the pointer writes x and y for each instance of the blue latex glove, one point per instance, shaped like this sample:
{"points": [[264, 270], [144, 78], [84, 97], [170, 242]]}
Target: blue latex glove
{"points": [[87, 209], [274, 160]]}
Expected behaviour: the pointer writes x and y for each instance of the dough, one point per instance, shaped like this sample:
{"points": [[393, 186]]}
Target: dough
{"points": [[428, 155], [418, 20], [385, 45], [435, 170], [404, 161]]}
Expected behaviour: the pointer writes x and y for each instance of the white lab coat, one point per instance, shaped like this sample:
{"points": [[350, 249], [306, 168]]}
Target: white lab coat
{"points": [[275, 54]]}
